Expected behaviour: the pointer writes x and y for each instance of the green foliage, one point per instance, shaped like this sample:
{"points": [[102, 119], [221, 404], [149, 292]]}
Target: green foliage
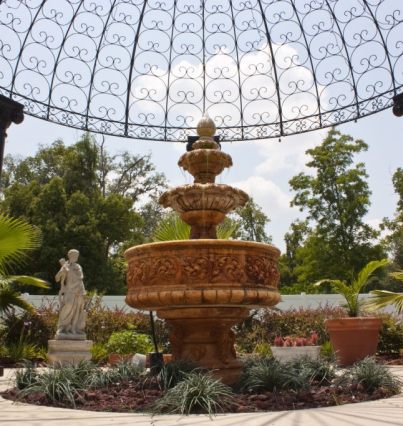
{"points": [[81, 197], [382, 298], [250, 222], [128, 342], [351, 291], [174, 372], [269, 375], [266, 324], [289, 261], [16, 239], [25, 375], [196, 393], [68, 383], [65, 384], [320, 370], [336, 198], [327, 351], [37, 328], [102, 321], [22, 351], [172, 227], [390, 335], [371, 376], [99, 352]]}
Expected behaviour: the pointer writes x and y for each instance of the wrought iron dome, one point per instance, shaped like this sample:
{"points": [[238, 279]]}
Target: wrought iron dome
{"points": [[148, 69]]}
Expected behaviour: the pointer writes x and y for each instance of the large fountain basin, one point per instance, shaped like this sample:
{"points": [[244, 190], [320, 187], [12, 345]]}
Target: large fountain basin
{"points": [[202, 273]]}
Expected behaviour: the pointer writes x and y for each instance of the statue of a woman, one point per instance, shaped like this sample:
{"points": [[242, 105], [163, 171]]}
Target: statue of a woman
{"points": [[72, 316]]}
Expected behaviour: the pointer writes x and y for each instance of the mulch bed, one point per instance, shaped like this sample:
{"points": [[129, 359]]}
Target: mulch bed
{"points": [[391, 359], [128, 397]]}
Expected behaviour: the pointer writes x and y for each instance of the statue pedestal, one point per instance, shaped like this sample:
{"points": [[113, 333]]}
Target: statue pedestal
{"points": [[69, 351]]}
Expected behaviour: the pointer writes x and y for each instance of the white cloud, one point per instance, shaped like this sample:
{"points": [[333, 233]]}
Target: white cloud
{"points": [[273, 200], [287, 155]]}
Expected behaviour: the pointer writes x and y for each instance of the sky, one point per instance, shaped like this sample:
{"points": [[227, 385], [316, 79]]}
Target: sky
{"points": [[261, 168]]}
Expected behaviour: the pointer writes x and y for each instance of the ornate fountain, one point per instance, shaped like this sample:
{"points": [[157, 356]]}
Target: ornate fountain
{"points": [[203, 286]]}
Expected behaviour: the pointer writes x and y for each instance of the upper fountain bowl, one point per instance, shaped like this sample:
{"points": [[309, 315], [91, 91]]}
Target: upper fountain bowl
{"points": [[205, 164]]}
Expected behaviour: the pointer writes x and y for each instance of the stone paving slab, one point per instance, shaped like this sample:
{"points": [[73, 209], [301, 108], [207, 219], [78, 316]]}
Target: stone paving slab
{"points": [[386, 412]]}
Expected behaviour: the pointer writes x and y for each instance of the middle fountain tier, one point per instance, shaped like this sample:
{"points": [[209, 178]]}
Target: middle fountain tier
{"points": [[202, 287]]}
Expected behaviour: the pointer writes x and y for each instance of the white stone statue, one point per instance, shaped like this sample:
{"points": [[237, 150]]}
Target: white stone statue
{"points": [[72, 316]]}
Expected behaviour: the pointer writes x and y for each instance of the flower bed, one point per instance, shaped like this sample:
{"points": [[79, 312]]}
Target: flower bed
{"points": [[266, 385]]}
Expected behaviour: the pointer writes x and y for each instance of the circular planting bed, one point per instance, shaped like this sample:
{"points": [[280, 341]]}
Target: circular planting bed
{"points": [[180, 387]]}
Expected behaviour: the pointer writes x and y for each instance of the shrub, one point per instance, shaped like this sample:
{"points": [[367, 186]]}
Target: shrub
{"points": [[101, 323], [264, 325], [197, 392], [128, 342], [390, 335], [369, 376], [37, 329], [269, 375], [99, 352]]}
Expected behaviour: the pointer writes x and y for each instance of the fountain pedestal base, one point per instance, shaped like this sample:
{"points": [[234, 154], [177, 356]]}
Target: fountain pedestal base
{"points": [[205, 335]]}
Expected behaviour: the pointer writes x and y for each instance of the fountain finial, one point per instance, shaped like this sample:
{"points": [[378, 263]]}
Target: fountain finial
{"points": [[206, 130]]}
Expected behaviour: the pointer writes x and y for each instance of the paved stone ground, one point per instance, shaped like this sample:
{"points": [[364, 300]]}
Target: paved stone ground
{"points": [[387, 412]]}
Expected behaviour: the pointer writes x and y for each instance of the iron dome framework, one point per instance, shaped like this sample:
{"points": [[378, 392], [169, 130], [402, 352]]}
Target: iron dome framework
{"points": [[148, 69]]}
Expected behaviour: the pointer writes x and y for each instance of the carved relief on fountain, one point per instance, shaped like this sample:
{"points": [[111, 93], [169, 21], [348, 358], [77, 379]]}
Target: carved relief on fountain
{"points": [[203, 286]]}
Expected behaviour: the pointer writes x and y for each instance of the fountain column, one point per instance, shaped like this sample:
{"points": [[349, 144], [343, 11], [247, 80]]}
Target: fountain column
{"points": [[202, 287]]}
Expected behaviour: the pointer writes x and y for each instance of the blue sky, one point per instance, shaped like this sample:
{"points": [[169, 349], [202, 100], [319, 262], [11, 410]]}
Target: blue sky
{"points": [[262, 168]]}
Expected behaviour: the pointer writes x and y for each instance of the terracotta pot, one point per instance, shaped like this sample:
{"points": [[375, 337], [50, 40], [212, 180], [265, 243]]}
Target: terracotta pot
{"points": [[114, 358], [167, 357], [353, 339], [284, 354]]}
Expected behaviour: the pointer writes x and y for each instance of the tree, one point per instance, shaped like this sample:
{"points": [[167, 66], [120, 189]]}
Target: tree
{"points": [[336, 199], [250, 221], [69, 192], [289, 261], [394, 241]]}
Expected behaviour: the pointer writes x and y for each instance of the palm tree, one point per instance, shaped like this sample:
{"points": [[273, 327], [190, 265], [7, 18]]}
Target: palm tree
{"points": [[16, 239], [351, 291], [172, 227], [383, 298]]}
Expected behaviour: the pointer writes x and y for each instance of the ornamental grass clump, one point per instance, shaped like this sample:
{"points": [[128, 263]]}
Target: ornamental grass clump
{"points": [[315, 370], [196, 393], [25, 376], [369, 376], [62, 385], [269, 375], [174, 372]]}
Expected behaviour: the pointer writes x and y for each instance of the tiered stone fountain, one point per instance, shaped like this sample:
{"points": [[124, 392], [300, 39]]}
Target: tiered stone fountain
{"points": [[203, 286]]}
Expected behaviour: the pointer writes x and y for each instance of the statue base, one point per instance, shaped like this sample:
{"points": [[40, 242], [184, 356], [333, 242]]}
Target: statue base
{"points": [[68, 336], [69, 351]]}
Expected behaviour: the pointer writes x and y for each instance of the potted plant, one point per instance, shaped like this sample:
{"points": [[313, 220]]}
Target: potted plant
{"points": [[125, 344], [285, 349], [355, 337]]}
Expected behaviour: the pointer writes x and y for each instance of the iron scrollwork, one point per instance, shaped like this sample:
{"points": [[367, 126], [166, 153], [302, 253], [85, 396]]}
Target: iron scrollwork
{"points": [[147, 69]]}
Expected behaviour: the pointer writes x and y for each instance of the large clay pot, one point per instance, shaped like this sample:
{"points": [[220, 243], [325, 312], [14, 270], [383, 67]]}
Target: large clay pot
{"points": [[353, 339]]}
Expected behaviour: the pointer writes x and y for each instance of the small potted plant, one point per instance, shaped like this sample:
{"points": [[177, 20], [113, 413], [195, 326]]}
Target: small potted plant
{"points": [[289, 347], [125, 344], [356, 336]]}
